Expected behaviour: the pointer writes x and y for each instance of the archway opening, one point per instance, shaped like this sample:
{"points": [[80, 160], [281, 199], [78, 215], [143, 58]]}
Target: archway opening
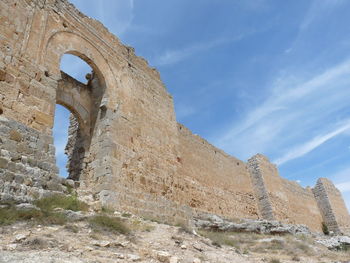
{"points": [[78, 97], [60, 134], [75, 67]]}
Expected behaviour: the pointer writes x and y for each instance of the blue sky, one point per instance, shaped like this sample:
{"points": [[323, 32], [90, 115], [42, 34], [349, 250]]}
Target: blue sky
{"points": [[249, 76]]}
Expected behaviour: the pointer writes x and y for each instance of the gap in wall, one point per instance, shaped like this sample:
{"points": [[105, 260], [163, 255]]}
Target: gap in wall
{"points": [[78, 69], [60, 135]]}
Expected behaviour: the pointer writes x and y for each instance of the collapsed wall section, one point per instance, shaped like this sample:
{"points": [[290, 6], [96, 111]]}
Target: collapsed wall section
{"points": [[332, 206], [211, 180], [281, 199]]}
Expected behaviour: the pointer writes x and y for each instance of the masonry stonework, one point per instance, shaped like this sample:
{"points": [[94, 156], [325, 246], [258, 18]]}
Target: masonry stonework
{"points": [[126, 151]]}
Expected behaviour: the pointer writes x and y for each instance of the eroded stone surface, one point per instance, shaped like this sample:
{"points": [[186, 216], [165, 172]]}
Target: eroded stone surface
{"points": [[126, 150]]}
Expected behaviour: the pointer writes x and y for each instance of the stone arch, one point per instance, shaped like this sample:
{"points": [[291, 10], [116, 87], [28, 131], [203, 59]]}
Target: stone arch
{"points": [[64, 42], [84, 101], [76, 97]]}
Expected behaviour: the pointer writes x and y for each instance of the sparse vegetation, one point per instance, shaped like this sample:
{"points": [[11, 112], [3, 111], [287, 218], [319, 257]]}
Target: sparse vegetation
{"points": [[138, 225], [72, 228], [220, 238], [325, 229], [275, 260], [61, 201], [10, 215], [183, 228], [70, 189], [46, 214], [107, 210], [128, 215], [107, 223], [344, 247]]}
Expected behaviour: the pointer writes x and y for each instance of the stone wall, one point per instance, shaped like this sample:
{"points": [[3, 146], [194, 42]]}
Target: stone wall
{"points": [[27, 163], [124, 111], [281, 199], [213, 181], [332, 206], [126, 149], [260, 189]]}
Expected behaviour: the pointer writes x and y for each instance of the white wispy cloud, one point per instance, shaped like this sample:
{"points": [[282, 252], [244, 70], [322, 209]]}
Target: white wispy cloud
{"points": [[177, 55], [318, 9], [344, 187], [308, 146], [294, 117]]}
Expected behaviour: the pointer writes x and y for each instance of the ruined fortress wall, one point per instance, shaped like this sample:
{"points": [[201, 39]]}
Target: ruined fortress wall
{"points": [[284, 200], [212, 180], [303, 207], [28, 168], [332, 206], [27, 163], [131, 154], [127, 150]]}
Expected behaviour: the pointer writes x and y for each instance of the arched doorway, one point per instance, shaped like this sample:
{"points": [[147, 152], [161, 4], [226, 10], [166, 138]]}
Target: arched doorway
{"points": [[82, 98]]}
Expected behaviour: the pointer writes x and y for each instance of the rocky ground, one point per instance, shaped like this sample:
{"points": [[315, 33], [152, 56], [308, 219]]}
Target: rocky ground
{"points": [[77, 240]]}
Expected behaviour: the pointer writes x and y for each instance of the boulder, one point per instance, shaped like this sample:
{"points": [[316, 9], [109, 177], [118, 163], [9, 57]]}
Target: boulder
{"points": [[216, 223], [335, 242]]}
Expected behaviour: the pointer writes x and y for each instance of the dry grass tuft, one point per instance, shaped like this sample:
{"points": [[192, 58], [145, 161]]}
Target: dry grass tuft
{"points": [[60, 201], [46, 215], [106, 223], [138, 225], [11, 215], [220, 238]]}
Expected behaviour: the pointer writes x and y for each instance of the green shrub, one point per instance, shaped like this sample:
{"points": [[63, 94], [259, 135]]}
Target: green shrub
{"points": [[107, 210], [60, 201], [72, 228], [8, 215], [52, 218], [11, 215], [325, 229], [46, 215], [275, 260], [103, 222], [128, 215]]}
